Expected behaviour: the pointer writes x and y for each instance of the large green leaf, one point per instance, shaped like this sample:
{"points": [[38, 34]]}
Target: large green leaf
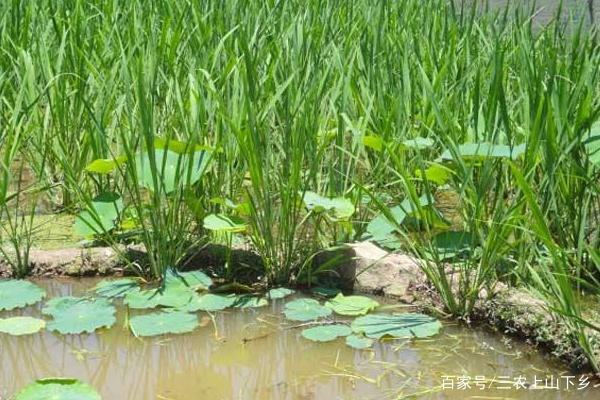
{"points": [[172, 170], [359, 342], [381, 226], [75, 315], [436, 173], [406, 325], [305, 310], [161, 323], [114, 288], [375, 142], [195, 280], [279, 293], [224, 223], [209, 302], [340, 207], [58, 389], [326, 333], [18, 326], [105, 166], [100, 216], [351, 305], [19, 293], [175, 296], [450, 244], [483, 150]]}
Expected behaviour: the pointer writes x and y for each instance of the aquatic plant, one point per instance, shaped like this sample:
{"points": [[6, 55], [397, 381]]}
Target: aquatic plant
{"points": [[59, 389]]}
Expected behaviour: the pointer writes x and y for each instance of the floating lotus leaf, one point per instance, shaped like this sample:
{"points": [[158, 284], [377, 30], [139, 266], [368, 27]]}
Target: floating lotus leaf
{"points": [[247, 301], [209, 302], [326, 333], [195, 280], [99, 216], [115, 288], [19, 293], [351, 305], [279, 293], [60, 304], [406, 325], [161, 323], [74, 315], [359, 342], [175, 296], [305, 310], [58, 389], [18, 326]]}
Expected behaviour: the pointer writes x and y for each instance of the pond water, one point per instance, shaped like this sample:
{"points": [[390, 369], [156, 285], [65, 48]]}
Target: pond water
{"points": [[257, 354], [545, 10]]}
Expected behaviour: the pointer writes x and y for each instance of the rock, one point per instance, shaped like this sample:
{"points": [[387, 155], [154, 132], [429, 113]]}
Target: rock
{"points": [[370, 269]]}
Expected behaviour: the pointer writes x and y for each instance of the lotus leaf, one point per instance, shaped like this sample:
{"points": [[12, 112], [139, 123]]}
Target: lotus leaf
{"points": [[359, 342], [19, 293], [305, 310], [224, 223], [407, 325], [58, 389], [326, 333], [351, 305], [161, 323], [172, 170], [74, 315], [451, 243], [105, 166], [279, 293], [375, 142], [341, 207], [115, 288], [60, 304], [99, 216], [209, 302], [18, 326]]}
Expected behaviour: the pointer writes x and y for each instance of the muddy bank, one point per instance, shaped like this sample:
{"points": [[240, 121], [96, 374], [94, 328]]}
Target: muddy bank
{"points": [[365, 268]]}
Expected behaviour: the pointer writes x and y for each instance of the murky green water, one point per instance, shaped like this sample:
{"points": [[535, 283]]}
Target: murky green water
{"points": [[257, 354]]}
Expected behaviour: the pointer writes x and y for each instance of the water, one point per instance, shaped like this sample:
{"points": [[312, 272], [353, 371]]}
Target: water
{"points": [[545, 10], [256, 354]]}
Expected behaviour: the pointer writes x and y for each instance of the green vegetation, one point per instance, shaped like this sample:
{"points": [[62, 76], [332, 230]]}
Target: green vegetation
{"points": [[468, 138]]}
